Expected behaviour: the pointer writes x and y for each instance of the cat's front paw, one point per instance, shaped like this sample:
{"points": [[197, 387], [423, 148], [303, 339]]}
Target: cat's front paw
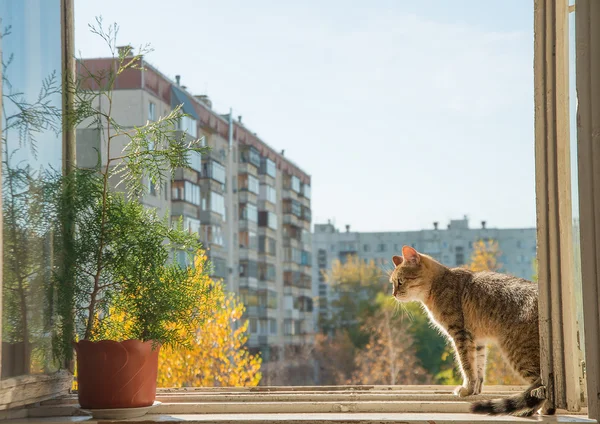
{"points": [[462, 391]]}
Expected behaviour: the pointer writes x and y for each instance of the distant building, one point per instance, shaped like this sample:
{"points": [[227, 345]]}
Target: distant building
{"points": [[247, 202], [452, 246]]}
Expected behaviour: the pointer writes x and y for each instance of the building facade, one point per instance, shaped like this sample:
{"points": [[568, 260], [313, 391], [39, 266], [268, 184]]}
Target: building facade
{"points": [[452, 246], [248, 203]]}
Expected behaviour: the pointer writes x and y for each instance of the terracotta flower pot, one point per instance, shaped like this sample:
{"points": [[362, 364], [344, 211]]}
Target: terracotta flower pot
{"points": [[114, 374]]}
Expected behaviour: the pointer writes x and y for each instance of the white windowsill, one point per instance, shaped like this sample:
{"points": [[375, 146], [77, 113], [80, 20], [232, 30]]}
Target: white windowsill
{"points": [[347, 404]]}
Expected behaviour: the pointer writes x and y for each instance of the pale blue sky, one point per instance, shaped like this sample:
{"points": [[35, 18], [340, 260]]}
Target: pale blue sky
{"points": [[403, 112]]}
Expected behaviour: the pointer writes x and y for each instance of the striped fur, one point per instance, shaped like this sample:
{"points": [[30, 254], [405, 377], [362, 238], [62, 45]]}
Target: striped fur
{"points": [[474, 309]]}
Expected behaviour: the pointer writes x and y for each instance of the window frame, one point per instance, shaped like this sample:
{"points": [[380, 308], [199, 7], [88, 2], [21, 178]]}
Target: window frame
{"points": [[552, 196], [561, 370], [588, 124], [29, 389]]}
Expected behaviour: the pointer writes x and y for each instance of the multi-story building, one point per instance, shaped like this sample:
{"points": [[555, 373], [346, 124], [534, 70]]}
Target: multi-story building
{"points": [[452, 246], [248, 203]]}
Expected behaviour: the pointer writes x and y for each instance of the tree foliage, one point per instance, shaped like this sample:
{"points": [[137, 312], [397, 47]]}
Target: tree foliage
{"points": [[356, 284], [389, 357], [485, 256], [218, 355], [335, 358]]}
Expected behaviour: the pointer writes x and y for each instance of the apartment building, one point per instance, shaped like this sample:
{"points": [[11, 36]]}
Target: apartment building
{"points": [[452, 246], [248, 203]]}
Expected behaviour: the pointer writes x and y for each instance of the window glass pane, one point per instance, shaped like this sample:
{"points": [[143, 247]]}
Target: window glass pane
{"points": [[192, 193], [196, 161], [189, 125], [34, 48], [253, 184], [217, 203], [295, 184], [151, 111], [217, 172], [577, 279]]}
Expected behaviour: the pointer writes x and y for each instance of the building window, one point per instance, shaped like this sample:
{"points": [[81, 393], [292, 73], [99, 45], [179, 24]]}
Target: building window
{"points": [[381, 247], [250, 155], [268, 167], [214, 170], [253, 185], [192, 193], [196, 161], [294, 207], [295, 184], [188, 125], [249, 240], [459, 255], [191, 224], [269, 219], [253, 326], [213, 234], [266, 272], [306, 190], [217, 203], [249, 183], [151, 187], [249, 269], [249, 212], [268, 193], [151, 111]]}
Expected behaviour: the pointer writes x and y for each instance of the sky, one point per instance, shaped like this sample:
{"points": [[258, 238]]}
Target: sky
{"points": [[403, 112]]}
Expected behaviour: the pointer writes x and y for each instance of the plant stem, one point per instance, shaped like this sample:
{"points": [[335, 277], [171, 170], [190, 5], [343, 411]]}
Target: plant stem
{"points": [[95, 292]]}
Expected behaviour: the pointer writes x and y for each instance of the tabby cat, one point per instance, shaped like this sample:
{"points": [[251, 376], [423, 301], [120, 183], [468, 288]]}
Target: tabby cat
{"points": [[473, 309]]}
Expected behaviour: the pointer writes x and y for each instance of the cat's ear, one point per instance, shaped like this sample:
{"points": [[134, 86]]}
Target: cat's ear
{"points": [[397, 260], [411, 255]]}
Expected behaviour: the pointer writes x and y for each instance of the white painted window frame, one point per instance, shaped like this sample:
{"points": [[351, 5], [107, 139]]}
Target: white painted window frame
{"points": [[587, 30], [560, 365]]}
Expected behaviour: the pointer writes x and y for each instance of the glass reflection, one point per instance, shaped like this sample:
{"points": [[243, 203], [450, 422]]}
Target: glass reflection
{"points": [[31, 151]]}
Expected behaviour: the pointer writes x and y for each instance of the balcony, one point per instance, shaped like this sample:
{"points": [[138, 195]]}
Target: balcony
{"points": [[186, 174], [291, 219], [245, 224], [210, 217], [247, 168], [249, 282], [289, 194], [292, 242], [247, 253], [182, 208], [292, 313], [266, 179], [247, 196]]}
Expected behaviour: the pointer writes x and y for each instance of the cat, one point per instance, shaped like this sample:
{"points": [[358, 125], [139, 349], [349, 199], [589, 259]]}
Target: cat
{"points": [[473, 309]]}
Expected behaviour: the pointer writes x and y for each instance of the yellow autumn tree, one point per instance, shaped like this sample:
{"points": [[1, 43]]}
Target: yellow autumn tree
{"points": [[218, 356], [485, 257]]}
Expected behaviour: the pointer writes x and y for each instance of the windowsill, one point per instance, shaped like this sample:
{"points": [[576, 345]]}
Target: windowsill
{"points": [[28, 389], [348, 404]]}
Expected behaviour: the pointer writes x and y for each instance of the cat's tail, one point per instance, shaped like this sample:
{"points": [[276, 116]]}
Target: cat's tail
{"points": [[523, 404]]}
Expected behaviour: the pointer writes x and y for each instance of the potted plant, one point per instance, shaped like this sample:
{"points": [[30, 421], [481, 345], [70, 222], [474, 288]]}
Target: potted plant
{"points": [[122, 296]]}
